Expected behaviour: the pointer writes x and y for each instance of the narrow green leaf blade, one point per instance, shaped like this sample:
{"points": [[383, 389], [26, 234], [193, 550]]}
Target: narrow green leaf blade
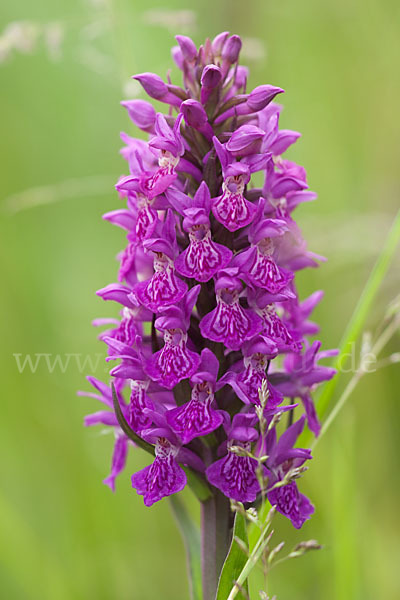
{"points": [[235, 561], [191, 538]]}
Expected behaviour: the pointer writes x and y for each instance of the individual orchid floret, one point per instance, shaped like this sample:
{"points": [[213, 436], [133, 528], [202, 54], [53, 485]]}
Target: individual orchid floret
{"points": [[140, 219], [210, 79], [164, 287], [122, 294], [169, 143], [229, 322], [256, 101], [235, 475], [230, 53], [297, 313], [164, 476], [218, 44], [257, 262], [131, 369], [198, 416], [126, 331], [249, 375], [287, 339], [245, 141], [203, 257], [282, 457], [187, 46], [280, 181], [231, 208], [142, 113], [195, 116], [156, 88], [175, 361], [302, 373]]}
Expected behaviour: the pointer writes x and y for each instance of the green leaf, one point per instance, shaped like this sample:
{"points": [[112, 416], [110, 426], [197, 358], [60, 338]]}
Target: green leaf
{"points": [[191, 538], [235, 561]]}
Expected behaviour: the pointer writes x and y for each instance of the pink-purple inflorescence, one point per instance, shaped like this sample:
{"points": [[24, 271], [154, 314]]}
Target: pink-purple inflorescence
{"points": [[209, 307]]}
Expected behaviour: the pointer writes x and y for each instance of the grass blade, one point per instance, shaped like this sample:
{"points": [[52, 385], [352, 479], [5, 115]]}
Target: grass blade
{"points": [[235, 561]]}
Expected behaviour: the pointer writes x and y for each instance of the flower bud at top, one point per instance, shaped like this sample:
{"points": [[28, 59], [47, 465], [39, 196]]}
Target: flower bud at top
{"points": [[261, 96], [195, 116], [152, 84], [187, 46], [218, 42], [142, 113], [211, 77], [231, 49]]}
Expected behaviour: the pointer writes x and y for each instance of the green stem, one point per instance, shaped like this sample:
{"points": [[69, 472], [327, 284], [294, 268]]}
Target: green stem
{"points": [[215, 515]]}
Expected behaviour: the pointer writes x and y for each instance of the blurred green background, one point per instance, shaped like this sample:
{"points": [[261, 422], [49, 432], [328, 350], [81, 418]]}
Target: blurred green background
{"points": [[63, 535]]}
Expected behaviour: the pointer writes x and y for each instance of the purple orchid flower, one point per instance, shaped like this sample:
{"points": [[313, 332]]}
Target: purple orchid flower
{"points": [[164, 287], [203, 257], [302, 374], [207, 289], [281, 458], [165, 476], [198, 416], [236, 475], [229, 322], [231, 208], [175, 361], [258, 263], [250, 373]]}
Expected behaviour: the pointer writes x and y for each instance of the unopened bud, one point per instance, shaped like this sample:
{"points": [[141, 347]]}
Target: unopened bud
{"points": [[187, 46], [231, 50], [211, 77], [218, 42], [245, 140], [141, 112], [261, 96], [152, 84]]}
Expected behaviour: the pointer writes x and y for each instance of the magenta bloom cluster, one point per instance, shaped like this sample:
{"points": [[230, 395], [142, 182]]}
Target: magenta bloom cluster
{"points": [[209, 309]]}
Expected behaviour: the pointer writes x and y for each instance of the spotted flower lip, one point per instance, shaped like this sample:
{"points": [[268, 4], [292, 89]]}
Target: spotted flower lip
{"points": [[229, 322], [236, 475], [163, 477], [208, 311], [203, 258], [175, 361], [198, 416]]}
